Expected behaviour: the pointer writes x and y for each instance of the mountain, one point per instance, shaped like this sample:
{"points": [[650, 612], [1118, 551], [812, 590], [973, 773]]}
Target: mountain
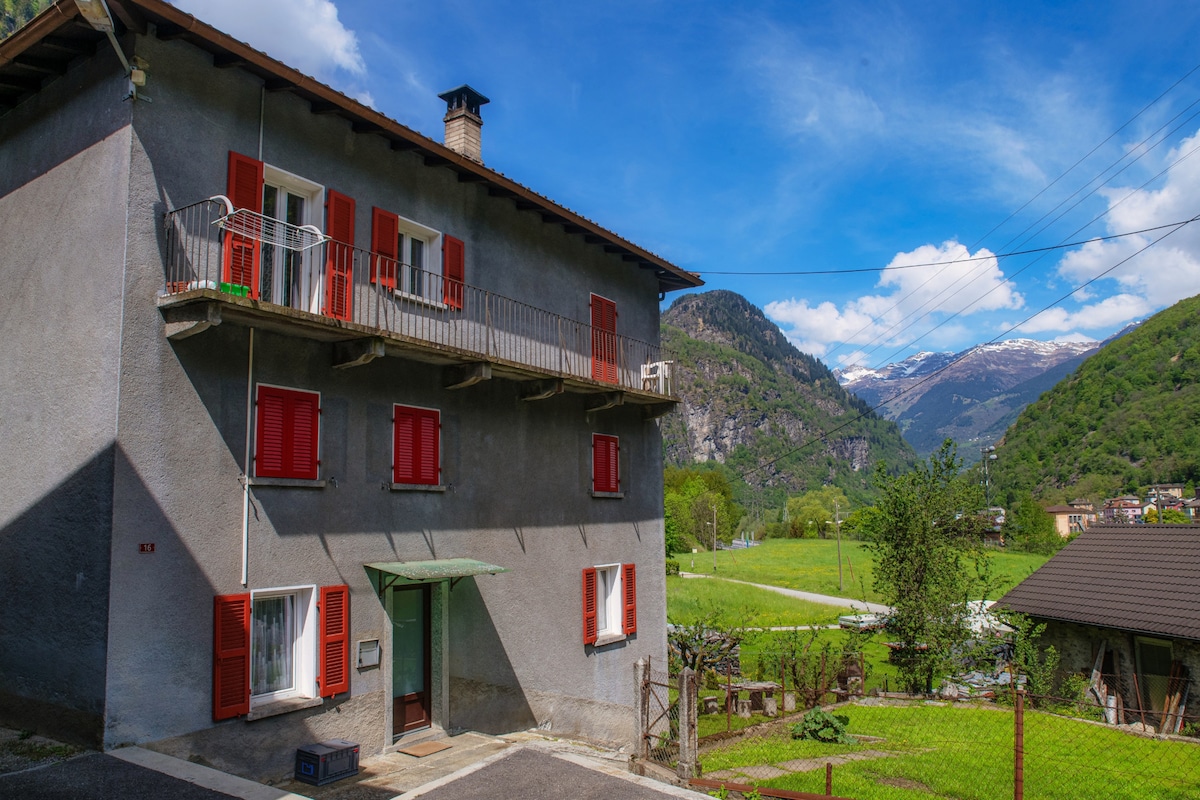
{"points": [[751, 399], [973, 398], [1129, 416]]}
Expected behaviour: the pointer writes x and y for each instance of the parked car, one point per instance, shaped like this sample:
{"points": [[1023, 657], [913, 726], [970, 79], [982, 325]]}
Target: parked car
{"points": [[862, 622]]}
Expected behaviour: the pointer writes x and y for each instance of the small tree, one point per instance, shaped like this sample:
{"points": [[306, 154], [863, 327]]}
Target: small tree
{"points": [[1030, 529], [925, 531], [1170, 516], [703, 645]]}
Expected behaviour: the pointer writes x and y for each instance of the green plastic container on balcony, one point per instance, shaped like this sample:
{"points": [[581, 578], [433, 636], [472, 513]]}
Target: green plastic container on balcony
{"points": [[235, 289]]}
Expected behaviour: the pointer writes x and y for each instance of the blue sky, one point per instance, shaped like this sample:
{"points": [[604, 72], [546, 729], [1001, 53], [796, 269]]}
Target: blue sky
{"points": [[775, 137]]}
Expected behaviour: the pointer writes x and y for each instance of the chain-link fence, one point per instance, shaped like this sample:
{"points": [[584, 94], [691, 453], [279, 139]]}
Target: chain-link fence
{"points": [[981, 742]]}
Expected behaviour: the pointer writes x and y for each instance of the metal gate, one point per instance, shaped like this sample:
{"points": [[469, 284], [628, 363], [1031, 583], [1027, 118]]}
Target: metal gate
{"points": [[660, 718]]}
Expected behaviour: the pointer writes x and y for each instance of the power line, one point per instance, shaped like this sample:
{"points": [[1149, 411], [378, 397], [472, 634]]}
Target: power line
{"points": [[957, 260], [815, 439]]}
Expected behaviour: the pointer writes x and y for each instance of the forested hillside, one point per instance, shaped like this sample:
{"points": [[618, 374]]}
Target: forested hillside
{"points": [[15, 13], [1128, 417], [751, 399]]}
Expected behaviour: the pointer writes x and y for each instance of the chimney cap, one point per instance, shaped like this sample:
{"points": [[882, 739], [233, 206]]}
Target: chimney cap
{"points": [[463, 97]]}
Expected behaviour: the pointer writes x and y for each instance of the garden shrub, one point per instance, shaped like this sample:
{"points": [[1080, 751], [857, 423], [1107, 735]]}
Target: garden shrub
{"points": [[821, 726]]}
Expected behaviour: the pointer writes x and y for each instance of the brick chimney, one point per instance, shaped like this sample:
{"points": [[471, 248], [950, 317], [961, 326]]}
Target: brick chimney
{"points": [[463, 123]]}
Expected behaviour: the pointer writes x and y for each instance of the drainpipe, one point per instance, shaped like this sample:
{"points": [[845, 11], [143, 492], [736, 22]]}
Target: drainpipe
{"points": [[246, 465]]}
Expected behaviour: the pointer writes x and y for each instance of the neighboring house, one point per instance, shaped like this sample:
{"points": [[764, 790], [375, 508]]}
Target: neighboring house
{"points": [[1072, 518], [1133, 592], [314, 428], [1122, 509]]}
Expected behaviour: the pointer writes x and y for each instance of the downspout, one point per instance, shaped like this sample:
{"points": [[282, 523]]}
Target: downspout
{"points": [[246, 465], [262, 101]]}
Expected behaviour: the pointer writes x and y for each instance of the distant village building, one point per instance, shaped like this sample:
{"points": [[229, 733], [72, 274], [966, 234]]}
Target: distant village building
{"points": [[1072, 518], [1122, 509]]}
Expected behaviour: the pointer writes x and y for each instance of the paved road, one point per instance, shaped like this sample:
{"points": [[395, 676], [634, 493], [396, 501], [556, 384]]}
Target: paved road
{"points": [[531, 774], [96, 776], [812, 597]]}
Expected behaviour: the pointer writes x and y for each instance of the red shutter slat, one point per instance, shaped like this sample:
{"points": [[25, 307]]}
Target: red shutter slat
{"points": [[231, 655], [629, 598], [244, 187], [454, 256], [604, 339], [589, 605], [385, 243], [339, 261], [335, 640]]}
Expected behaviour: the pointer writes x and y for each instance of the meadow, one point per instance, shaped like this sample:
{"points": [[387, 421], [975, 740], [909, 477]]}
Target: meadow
{"points": [[811, 565]]}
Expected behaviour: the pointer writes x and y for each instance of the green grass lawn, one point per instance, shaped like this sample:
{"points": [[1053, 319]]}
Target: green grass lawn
{"points": [[811, 565], [966, 752], [690, 599]]}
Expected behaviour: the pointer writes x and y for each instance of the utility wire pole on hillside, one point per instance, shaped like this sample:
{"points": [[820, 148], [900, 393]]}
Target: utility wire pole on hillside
{"points": [[837, 517]]}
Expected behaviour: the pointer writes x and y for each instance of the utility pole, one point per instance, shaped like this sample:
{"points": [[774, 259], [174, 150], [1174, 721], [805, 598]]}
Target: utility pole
{"points": [[714, 537], [987, 455], [837, 517]]}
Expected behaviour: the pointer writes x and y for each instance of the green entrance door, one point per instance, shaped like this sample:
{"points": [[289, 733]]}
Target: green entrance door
{"points": [[410, 658]]}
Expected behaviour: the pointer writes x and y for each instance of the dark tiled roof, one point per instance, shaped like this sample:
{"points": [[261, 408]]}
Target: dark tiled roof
{"points": [[1142, 578]]}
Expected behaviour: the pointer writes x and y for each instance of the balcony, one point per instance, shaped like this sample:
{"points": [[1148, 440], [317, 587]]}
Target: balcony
{"points": [[233, 265]]}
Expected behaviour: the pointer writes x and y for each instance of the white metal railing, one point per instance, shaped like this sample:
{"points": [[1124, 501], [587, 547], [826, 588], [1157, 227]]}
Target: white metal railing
{"points": [[209, 245]]}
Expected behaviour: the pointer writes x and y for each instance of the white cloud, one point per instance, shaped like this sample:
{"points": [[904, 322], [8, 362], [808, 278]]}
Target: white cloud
{"points": [[1106, 314], [305, 34], [920, 298], [1147, 281]]}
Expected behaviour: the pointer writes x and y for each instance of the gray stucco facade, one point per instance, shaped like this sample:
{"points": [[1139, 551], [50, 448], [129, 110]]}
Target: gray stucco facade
{"points": [[117, 437]]}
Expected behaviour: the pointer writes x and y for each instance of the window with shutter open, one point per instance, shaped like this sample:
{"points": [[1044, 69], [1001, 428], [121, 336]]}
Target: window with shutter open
{"points": [[453, 271], [604, 339], [335, 640], [245, 190], [385, 247], [589, 606], [628, 598], [231, 656], [339, 259]]}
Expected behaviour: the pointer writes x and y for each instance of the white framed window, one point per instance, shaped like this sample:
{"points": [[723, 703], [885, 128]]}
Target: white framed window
{"points": [[289, 277], [283, 644], [609, 603], [420, 256]]}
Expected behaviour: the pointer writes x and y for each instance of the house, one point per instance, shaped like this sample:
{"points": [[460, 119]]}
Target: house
{"points": [[1072, 518], [314, 428], [1120, 602], [1127, 508]]}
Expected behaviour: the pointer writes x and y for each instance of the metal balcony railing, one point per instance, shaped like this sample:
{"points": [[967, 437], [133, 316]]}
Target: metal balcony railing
{"points": [[210, 245]]}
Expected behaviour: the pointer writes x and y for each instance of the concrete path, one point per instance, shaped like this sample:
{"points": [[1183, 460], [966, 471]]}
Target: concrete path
{"points": [[532, 773], [859, 606]]}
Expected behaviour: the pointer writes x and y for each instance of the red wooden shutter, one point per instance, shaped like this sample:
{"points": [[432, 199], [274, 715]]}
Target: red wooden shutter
{"points": [[416, 446], [629, 598], [605, 463], [589, 605], [385, 244], [335, 640], [454, 256], [231, 655], [604, 339], [244, 188], [339, 261], [428, 426], [288, 434], [306, 427]]}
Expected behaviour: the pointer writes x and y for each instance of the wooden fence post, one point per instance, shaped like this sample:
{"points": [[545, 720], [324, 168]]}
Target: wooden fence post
{"points": [[1019, 747], [689, 750]]}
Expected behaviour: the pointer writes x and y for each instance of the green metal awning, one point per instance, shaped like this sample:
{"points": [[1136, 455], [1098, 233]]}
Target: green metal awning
{"points": [[442, 569]]}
